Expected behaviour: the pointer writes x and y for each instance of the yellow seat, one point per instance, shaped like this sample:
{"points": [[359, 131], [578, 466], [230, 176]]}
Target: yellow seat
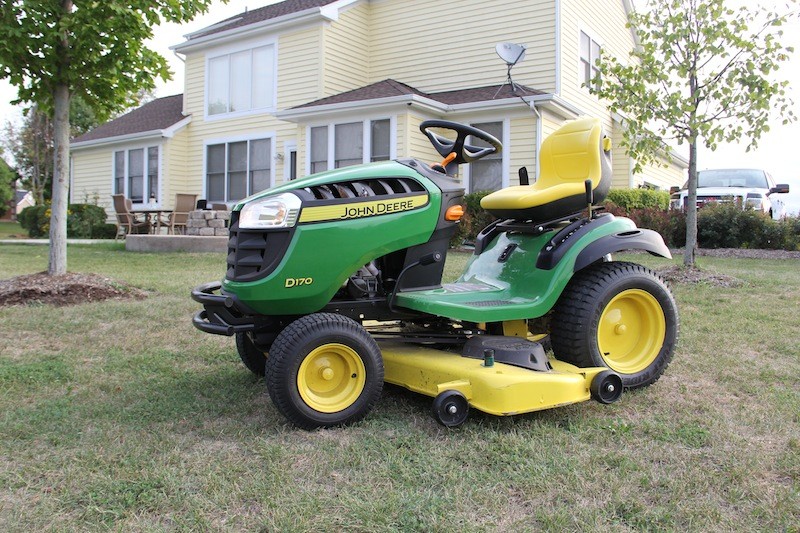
{"points": [[568, 157]]}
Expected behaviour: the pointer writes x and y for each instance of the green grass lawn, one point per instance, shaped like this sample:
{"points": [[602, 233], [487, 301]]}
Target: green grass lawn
{"points": [[12, 230], [120, 415]]}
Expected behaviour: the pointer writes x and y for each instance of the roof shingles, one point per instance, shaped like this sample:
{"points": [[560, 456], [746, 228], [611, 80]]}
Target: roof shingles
{"points": [[158, 114]]}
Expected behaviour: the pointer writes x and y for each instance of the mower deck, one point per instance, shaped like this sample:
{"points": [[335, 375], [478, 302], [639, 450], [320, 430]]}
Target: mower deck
{"points": [[500, 389]]}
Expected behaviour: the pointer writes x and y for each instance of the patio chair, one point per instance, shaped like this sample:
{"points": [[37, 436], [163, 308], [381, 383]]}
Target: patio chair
{"points": [[179, 218], [126, 221]]}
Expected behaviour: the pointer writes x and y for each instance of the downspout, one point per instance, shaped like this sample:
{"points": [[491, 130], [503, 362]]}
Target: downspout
{"points": [[538, 139]]}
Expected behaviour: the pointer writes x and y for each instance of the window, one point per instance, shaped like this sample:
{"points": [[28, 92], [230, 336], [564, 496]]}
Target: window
{"points": [[236, 170], [243, 81], [319, 149], [348, 144], [486, 174], [136, 174], [590, 54]]}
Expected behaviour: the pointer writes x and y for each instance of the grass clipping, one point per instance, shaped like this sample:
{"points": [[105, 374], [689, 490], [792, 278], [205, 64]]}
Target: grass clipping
{"points": [[66, 289]]}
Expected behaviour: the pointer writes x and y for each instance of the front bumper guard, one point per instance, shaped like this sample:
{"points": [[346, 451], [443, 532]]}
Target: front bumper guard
{"points": [[220, 315]]}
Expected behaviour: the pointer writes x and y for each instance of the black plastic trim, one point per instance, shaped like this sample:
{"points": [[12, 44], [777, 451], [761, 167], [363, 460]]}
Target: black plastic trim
{"points": [[638, 239], [563, 241]]}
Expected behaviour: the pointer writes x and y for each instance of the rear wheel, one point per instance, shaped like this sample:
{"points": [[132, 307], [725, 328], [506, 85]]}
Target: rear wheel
{"points": [[254, 359], [619, 315], [324, 370]]}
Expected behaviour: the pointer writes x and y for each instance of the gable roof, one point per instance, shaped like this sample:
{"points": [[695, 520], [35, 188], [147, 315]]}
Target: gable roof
{"points": [[158, 114], [390, 88], [287, 7]]}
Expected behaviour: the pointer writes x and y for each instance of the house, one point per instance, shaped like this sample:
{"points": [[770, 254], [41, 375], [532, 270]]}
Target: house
{"points": [[302, 86]]}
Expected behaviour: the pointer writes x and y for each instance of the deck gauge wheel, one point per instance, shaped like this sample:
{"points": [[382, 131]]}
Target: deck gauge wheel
{"points": [[450, 408]]}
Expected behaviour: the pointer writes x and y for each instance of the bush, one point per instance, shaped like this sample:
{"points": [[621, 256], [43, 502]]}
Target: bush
{"points": [[36, 220], [473, 221], [629, 199], [84, 221], [729, 226]]}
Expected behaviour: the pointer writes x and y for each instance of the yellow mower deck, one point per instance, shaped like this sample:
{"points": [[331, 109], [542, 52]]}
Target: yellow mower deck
{"points": [[500, 389]]}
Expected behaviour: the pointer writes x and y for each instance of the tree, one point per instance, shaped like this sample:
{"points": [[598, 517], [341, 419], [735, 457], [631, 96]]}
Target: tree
{"points": [[702, 72], [31, 144], [7, 179], [53, 49]]}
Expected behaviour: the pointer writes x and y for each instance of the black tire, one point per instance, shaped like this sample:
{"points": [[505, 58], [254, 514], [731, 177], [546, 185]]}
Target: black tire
{"points": [[450, 408], [254, 359], [639, 346], [311, 368]]}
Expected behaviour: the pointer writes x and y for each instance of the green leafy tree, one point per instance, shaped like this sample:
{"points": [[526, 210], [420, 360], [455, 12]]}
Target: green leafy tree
{"points": [[7, 179], [53, 49], [701, 73], [31, 144]]}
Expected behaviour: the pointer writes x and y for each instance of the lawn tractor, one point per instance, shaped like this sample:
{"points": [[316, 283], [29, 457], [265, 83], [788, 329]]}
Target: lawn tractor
{"points": [[334, 286]]}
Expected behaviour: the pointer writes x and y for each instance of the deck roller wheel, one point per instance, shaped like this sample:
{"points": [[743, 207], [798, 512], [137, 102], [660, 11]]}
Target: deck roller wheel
{"points": [[606, 387], [450, 408]]}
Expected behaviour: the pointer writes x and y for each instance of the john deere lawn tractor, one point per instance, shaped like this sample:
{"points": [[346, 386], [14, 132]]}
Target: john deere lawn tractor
{"points": [[334, 286]]}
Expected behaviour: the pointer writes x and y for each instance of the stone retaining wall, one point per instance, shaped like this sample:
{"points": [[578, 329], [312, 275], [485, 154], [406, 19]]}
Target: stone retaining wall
{"points": [[208, 223]]}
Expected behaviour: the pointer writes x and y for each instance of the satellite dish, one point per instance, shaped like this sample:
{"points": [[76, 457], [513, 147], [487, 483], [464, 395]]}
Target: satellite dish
{"points": [[511, 53]]}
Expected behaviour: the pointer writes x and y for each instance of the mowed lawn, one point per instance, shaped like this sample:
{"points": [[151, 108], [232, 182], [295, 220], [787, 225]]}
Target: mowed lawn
{"points": [[120, 415]]}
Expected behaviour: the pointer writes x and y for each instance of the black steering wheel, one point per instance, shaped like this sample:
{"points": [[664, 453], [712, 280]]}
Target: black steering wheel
{"points": [[465, 153]]}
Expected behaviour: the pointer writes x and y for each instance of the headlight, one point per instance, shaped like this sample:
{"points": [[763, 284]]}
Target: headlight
{"points": [[754, 200], [271, 212]]}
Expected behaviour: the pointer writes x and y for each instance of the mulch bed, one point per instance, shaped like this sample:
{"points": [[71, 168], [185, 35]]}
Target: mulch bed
{"points": [[66, 289]]}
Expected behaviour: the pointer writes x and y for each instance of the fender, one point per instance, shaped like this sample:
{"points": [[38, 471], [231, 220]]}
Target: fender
{"points": [[638, 239]]}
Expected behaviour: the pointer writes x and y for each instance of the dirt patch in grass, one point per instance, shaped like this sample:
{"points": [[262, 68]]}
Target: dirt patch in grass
{"points": [[681, 274], [66, 289]]}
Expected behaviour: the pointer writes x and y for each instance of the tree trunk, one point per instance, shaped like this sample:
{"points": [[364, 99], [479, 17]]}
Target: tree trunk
{"points": [[58, 208], [691, 207]]}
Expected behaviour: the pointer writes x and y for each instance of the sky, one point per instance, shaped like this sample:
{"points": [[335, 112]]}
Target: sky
{"points": [[778, 151]]}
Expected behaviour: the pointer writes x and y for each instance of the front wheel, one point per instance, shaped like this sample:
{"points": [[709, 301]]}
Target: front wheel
{"points": [[324, 370], [618, 315]]}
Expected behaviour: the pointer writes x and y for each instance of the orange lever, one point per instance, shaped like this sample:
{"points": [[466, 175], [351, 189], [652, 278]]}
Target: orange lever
{"points": [[449, 159]]}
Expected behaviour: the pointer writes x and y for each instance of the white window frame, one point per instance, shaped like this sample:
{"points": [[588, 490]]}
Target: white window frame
{"points": [[234, 139], [593, 38], [125, 189], [366, 124], [228, 51], [506, 154]]}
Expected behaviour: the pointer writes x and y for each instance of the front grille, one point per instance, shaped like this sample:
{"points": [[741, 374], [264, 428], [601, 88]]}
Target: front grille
{"points": [[254, 254], [364, 189]]}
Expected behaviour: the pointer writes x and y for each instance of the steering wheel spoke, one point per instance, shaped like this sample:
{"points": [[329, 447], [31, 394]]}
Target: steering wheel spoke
{"points": [[465, 153]]}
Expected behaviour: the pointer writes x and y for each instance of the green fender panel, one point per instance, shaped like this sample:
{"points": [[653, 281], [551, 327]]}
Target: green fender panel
{"points": [[494, 290]]}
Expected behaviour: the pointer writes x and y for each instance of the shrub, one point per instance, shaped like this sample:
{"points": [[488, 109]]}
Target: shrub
{"points": [[729, 226], [473, 221], [84, 221], [36, 220], [629, 199]]}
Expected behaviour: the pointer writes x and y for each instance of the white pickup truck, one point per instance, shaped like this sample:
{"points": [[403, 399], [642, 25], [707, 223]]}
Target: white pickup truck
{"points": [[750, 188]]}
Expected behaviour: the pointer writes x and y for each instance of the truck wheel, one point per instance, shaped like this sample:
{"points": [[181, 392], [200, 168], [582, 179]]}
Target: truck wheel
{"points": [[254, 359], [324, 370], [618, 315]]}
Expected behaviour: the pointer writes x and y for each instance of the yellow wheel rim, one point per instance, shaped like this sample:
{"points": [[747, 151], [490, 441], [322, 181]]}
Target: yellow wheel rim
{"points": [[631, 331], [331, 378]]}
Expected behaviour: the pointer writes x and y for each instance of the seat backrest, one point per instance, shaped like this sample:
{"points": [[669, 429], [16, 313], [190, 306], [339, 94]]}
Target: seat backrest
{"points": [[574, 153], [122, 207], [184, 203]]}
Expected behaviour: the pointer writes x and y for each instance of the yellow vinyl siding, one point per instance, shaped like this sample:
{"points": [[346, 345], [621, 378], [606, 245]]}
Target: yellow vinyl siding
{"points": [[663, 177], [605, 23], [174, 163], [300, 67], [93, 169], [450, 44], [620, 160], [346, 59], [522, 151]]}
